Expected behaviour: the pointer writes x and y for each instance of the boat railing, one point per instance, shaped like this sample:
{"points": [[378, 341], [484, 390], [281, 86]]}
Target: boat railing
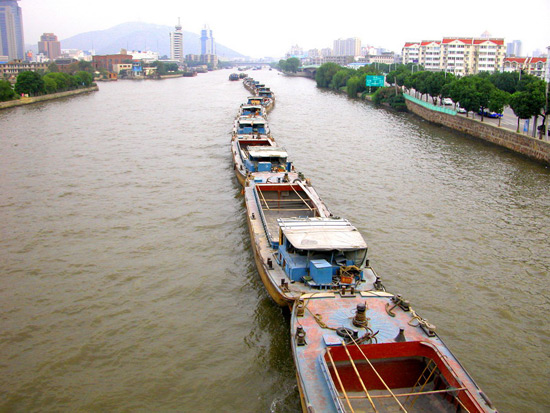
{"points": [[240, 151], [262, 217]]}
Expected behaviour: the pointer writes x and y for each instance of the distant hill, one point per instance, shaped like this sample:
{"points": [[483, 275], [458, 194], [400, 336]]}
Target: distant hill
{"points": [[139, 36]]}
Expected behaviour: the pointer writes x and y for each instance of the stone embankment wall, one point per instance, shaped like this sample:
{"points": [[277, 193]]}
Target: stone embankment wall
{"points": [[36, 99], [526, 145]]}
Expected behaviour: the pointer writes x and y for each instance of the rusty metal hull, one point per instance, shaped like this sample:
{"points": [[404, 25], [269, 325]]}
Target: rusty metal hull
{"points": [[338, 377]]}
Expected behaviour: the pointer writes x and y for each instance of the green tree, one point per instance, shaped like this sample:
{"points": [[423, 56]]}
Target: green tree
{"points": [[30, 83], [85, 66], [506, 81], [61, 81], [353, 86], [498, 100], [522, 105], [340, 78], [434, 83], [293, 64], [84, 78], [50, 84], [6, 91], [324, 74], [464, 92], [420, 83], [484, 88], [537, 90], [171, 67], [161, 67], [52, 67]]}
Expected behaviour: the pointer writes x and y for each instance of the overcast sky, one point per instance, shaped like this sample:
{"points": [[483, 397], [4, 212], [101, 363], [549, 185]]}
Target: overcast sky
{"points": [[269, 28]]}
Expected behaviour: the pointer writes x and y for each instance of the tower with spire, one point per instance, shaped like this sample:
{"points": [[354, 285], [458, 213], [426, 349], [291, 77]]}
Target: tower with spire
{"points": [[176, 43]]}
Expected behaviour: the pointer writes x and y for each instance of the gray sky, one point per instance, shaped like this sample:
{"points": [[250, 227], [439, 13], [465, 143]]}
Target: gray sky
{"points": [[269, 28]]}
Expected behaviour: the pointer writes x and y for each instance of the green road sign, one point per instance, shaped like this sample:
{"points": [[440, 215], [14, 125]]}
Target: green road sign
{"points": [[375, 80]]}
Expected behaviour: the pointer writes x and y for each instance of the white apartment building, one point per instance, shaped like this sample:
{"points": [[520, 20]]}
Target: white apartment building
{"points": [[146, 56], [458, 55], [468, 56], [429, 54], [411, 52]]}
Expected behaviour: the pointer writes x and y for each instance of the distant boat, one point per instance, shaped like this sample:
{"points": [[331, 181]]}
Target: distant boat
{"points": [[259, 160], [253, 126], [234, 76]]}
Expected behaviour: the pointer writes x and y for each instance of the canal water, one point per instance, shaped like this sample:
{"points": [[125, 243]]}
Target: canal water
{"points": [[128, 281]]}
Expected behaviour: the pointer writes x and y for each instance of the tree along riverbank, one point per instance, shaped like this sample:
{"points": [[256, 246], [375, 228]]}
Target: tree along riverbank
{"points": [[52, 96], [351, 82]]}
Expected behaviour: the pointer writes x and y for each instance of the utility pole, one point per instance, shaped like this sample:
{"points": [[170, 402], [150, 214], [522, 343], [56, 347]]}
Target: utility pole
{"points": [[547, 78]]}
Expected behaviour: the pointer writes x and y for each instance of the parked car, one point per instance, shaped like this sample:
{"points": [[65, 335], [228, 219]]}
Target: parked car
{"points": [[447, 101], [489, 114], [460, 109]]}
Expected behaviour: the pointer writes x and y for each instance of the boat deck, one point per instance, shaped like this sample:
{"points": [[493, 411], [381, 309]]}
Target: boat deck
{"points": [[408, 370], [285, 204]]}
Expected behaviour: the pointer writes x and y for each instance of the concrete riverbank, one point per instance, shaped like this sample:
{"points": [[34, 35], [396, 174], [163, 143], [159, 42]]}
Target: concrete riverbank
{"points": [[534, 148], [52, 96]]}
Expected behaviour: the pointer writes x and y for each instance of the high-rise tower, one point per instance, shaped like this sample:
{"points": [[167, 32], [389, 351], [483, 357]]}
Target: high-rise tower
{"points": [[207, 42], [176, 43], [49, 46], [12, 43]]}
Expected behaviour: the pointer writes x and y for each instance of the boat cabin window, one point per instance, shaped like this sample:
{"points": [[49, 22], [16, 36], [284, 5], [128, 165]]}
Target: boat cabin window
{"points": [[337, 257]]}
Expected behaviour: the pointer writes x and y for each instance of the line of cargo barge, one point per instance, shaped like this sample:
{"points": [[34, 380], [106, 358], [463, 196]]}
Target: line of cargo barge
{"points": [[356, 347]]}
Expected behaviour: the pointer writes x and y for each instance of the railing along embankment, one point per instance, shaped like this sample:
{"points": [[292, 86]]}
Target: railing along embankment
{"points": [[532, 147]]}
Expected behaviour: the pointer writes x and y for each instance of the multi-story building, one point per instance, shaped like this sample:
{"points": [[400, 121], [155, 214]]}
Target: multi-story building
{"points": [[11, 69], [147, 56], [209, 59], [12, 43], [176, 43], [107, 62], [295, 51], [49, 46], [312, 53], [207, 42], [347, 47], [513, 49], [489, 55], [535, 66], [459, 55], [341, 60], [387, 58], [411, 52], [429, 54]]}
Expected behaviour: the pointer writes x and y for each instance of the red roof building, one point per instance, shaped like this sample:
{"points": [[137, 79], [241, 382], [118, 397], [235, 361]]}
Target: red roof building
{"points": [[535, 66], [459, 55]]}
